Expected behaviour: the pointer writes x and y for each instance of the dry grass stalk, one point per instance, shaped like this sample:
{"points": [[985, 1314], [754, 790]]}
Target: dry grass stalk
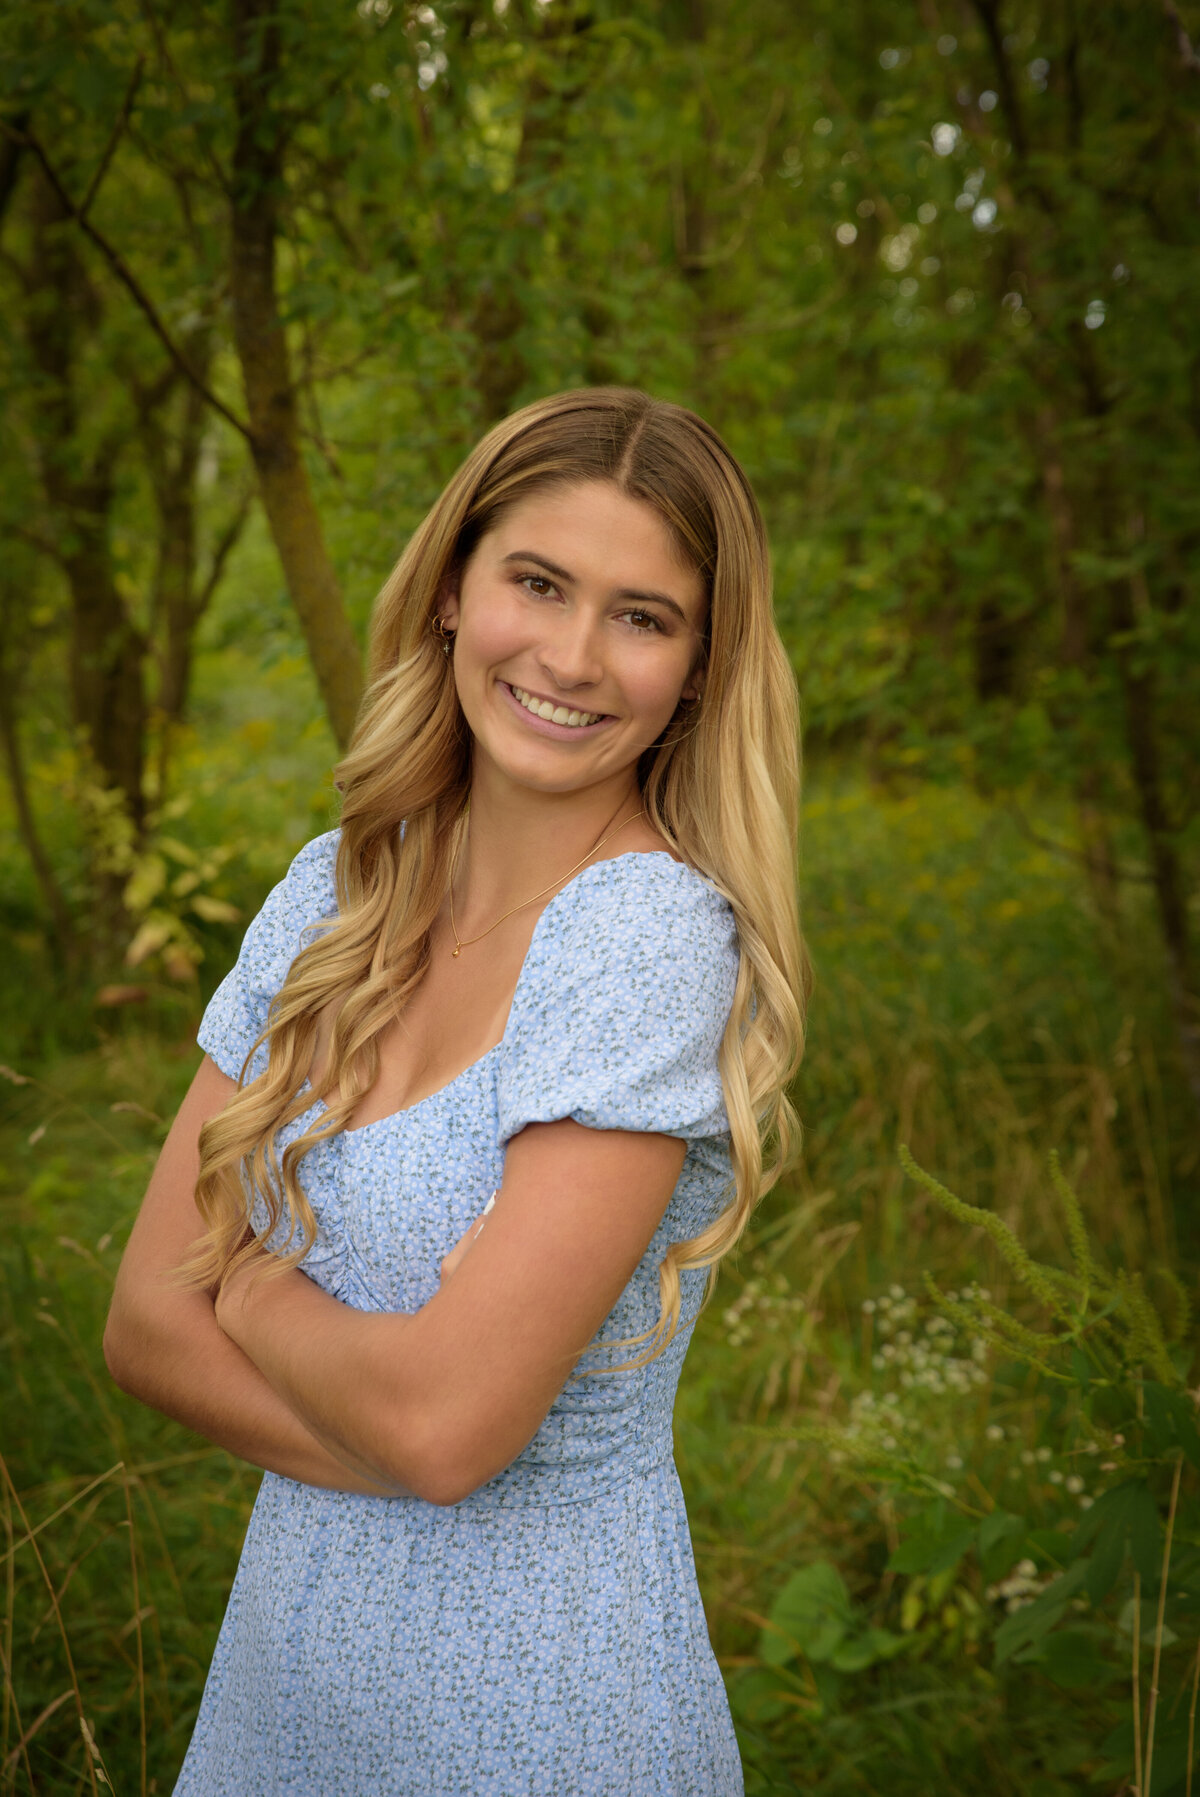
{"points": [[1158, 1626]]}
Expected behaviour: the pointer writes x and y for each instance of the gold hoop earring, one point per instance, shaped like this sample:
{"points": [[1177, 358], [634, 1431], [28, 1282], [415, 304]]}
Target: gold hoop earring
{"points": [[445, 637]]}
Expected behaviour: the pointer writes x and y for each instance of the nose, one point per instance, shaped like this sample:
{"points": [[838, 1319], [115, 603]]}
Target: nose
{"points": [[570, 650]]}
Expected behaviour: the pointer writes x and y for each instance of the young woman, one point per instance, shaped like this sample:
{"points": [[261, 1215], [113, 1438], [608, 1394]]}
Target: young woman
{"points": [[504, 1060]]}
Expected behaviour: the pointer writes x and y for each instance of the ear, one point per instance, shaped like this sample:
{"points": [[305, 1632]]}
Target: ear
{"points": [[693, 686], [447, 606]]}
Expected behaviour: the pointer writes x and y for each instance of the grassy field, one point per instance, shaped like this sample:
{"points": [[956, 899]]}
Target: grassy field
{"points": [[968, 1005]]}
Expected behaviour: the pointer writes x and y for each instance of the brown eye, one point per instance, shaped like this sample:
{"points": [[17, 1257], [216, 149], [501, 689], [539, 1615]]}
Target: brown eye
{"points": [[644, 622]]}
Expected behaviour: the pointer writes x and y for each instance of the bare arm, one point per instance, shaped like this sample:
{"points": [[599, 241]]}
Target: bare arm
{"points": [[163, 1344], [441, 1401]]}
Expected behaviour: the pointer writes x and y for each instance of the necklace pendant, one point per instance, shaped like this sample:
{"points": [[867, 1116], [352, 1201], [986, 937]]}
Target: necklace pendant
{"points": [[455, 953]]}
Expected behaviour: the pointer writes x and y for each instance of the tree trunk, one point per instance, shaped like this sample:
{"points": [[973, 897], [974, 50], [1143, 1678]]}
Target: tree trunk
{"points": [[266, 368], [105, 659], [178, 597], [106, 649], [1141, 736], [1075, 651], [61, 927], [175, 574]]}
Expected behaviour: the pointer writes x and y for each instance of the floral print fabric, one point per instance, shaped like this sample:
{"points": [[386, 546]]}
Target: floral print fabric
{"points": [[545, 1636]]}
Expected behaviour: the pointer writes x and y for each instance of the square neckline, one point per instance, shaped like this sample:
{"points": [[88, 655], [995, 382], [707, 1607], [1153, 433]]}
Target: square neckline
{"points": [[408, 1110]]}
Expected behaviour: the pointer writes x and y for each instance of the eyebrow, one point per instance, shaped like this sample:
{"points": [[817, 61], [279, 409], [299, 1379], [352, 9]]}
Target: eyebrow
{"points": [[635, 593]]}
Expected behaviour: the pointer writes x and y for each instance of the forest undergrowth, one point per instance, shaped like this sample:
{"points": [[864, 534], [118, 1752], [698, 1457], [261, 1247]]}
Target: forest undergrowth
{"points": [[937, 1463]]}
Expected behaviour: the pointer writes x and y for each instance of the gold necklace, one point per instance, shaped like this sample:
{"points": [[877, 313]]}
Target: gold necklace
{"points": [[459, 944]]}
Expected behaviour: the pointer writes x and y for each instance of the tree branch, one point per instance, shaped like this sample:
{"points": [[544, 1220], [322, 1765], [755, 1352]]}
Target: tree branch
{"points": [[221, 552], [1077, 857], [164, 50], [988, 18], [114, 138], [10, 157], [128, 280]]}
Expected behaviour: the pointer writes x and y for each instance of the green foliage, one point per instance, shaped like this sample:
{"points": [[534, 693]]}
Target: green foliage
{"points": [[785, 1353], [114, 1599], [1107, 1321], [934, 283], [1068, 1592], [814, 1616]]}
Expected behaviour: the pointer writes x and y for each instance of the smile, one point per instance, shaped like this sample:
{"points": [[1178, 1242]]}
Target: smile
{"points": [[564, 716]]}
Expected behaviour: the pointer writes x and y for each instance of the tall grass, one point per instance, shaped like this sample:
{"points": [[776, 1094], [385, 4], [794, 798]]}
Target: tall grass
{"points": [[965, 1006]]}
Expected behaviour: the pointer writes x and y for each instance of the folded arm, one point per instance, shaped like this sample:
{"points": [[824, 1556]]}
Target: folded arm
{"points": [[441, 1401], [162, 1341]]}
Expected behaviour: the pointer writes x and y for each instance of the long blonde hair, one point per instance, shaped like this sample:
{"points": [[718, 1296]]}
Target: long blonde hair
{"points": [[721, 786]]}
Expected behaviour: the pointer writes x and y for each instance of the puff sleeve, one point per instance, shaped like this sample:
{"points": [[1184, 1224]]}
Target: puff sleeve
{"points": [[622, 1004], [237, 1011]]}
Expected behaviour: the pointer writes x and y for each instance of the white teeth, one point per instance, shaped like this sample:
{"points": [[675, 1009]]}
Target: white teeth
{"points": [[557, 714]]}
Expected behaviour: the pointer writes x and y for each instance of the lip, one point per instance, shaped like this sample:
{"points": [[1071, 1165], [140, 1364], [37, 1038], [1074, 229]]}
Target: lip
{"points": [[544, 726]]}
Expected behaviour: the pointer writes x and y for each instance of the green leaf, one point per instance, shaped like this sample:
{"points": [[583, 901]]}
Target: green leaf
{"points": [[1127, 1513], [1145, 1534], [1111, 1506], [178, 851], [145, 883], [1170, 1751], [854, 1654], [829, 1684], [152, 935], [860, 1651], [1146, 1625], [1104, 1567], [758, 1696], [1170, 1421], [1029, 1625], [1053, 1544], [214, 910], [937, 1540], [812, 1615], [1072, 1658], [1081, 1367], [1000, 1538]]}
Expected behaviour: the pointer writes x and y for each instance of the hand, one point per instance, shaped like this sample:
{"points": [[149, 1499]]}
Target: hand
{"points": [[464, 1241]]}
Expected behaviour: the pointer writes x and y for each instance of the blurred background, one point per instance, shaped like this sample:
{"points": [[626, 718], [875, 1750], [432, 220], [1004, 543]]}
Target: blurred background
{"points": [[268, 270]]}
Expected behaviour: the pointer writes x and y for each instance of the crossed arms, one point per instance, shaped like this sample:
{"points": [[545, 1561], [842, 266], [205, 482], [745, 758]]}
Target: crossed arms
{"points": [[432, 1404]]}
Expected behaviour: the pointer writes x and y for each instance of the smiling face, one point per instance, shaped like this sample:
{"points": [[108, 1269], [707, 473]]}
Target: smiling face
{"points": [[579, 631]]}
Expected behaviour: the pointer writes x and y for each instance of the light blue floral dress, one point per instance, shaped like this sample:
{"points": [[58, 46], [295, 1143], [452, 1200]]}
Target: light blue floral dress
{"points": [[546, 1634]]}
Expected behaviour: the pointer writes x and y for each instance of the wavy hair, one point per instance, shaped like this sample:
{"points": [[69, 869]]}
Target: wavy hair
{"points": [[721, 786]]}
